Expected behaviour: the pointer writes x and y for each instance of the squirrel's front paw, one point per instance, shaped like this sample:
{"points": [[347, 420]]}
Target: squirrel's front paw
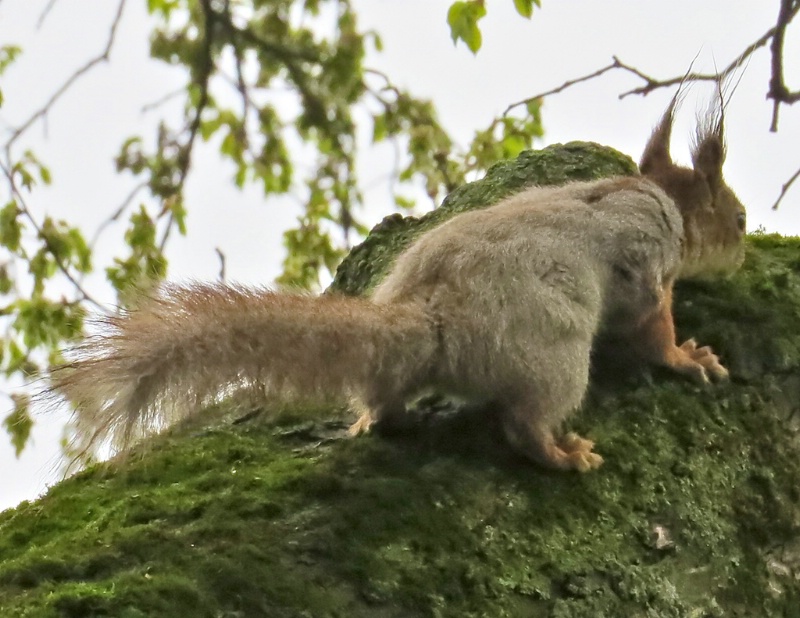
{"points": [[705, 358], [362, 425]]}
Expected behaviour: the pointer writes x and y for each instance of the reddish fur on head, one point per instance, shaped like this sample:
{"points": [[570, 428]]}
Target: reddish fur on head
{"points": [[713, 217]]}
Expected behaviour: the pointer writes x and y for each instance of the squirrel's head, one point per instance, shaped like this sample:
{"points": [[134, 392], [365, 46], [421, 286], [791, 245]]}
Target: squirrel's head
{"points": [[713, 217]]}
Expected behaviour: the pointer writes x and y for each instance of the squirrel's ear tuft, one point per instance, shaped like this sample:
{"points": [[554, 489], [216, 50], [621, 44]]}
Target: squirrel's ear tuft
{"points": [[656, 155], [708, 157], [708, 152]]}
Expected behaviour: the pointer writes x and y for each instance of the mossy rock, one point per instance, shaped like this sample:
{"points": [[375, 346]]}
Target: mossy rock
{"points": [[554, 165], [696, 511]]}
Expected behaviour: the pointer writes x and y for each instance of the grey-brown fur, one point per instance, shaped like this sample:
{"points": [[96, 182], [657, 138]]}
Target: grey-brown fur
{"points": [[499, 305]]}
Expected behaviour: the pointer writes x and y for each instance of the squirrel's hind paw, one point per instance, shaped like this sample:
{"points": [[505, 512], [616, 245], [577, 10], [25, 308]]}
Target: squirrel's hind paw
{"points": [[578, 452], [704, 357], [584, 461], [572, 442]]}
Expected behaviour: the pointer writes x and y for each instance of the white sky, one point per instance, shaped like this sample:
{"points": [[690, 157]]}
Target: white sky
{"points": [[518, 59]]}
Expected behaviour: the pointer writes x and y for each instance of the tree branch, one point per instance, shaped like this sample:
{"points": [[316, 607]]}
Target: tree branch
{"points": [[789, 9], [185, 155], [567, 84], [284, 53], [118, 212], [45, 12], [149, 107], [785, 189], [241, 85], [29, 216], [778, 91], [221, 256], [42, 112]]}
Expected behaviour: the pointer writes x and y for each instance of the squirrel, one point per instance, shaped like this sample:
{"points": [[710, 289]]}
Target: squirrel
{"points": [[497, 305]]}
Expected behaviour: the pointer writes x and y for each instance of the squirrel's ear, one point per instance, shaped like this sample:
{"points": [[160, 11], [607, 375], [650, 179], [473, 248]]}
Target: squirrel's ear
{"points": [[656, 155], [708, 153]]}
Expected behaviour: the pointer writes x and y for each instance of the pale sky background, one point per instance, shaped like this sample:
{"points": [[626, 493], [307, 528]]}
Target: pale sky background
{"points": [[519, 58]]}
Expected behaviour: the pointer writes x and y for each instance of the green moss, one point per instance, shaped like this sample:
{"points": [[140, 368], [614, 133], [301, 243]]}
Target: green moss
{"points": [[696, 511], [554, 165]]}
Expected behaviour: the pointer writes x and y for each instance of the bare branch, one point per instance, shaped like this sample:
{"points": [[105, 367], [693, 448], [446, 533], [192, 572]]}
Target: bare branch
{"points": [[285, 53], [45, 13], [778, 91], [785, 189], [118, 212], [204, 78], [42, 112], [221, 256], [241, 86], [567, 84], [166, 98], [790, 8], [653, 84]]}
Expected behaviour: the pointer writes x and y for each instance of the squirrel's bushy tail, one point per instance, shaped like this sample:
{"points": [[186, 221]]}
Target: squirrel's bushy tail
{"points": [[191, 344]]}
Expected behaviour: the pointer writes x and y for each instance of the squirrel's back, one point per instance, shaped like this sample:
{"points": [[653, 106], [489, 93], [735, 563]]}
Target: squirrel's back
{"points": [[538, 268]]}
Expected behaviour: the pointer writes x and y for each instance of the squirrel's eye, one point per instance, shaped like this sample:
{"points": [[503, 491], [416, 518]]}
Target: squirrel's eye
{"points": [[741, 221]]}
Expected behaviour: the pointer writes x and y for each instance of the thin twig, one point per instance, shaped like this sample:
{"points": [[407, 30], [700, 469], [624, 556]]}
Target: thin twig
{"points": [[567, 84], [118, 212], [785, 189], [652, 83], [40, 232], [221, 256], [103, 57], [778, 91], [205, 76], [43, 15], [283, 52], [148, 107], [240, 83]]}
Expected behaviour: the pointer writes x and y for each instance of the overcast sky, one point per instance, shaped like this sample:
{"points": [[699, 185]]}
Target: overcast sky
{"points": [[519, 58]]}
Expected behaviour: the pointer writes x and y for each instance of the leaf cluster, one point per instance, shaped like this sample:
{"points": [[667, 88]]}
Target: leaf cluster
{"points": [[463, 17], [33, 323]]}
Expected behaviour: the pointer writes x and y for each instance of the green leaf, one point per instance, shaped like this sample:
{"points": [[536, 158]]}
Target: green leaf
{"points": [[378, 128], [80, 250], [377, 41], [44, 174], [178, 209], [8, 53], [462, 18], [6, 283], [513, 145], [525, 7], [10, 227], [406, 203], [19, 423], [165, 7]]}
